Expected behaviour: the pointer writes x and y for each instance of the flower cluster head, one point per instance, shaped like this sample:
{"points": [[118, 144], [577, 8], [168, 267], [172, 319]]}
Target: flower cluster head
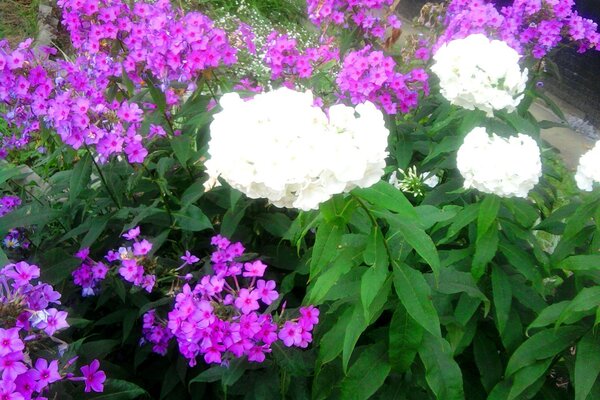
{"points": [[413, 182], [493, 164], [89, 274], [588, 170], [287, 61], [131, 260], [8, 203], [28, 317], [125, 47], [476, 72], [370, 75], [280, 147], [221, 316], [370, 16], [529, 26]]}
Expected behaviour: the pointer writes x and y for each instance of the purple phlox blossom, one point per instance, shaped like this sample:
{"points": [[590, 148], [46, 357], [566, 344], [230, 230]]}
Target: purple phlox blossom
{"points": [[93, 377], [219, 317]]}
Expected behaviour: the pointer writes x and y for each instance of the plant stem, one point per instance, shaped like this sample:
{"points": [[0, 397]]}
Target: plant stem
{"points": [[163, 195], [103, 179]]}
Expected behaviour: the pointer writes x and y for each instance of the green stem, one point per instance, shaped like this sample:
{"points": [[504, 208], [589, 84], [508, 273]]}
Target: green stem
{"points": [[163, 195], [374, 222], [103, 179]]}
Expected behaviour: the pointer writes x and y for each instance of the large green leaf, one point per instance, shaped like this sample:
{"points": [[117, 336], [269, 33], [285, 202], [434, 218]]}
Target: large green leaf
{"points": [[192, 219], [326, 248], [502, 296], [587, 365], [485, 250], [355, 328], [405, 338], [366, 374], [374, 278], [488, 211], [116, 389], [587, 299], [386, 196], [80, 177], [526, 377], [416, 238], [415, 294], [442, 372], [542, 345], [590, 262]]}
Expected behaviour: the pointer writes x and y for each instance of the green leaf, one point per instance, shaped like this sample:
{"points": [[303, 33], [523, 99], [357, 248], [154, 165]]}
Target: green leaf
{"points": [[443, 374], [116, 389], [27, 216], [542, 345], [548, 315], [97, 226], [527, 376], [452, 282], [502, 296], [384, 195], [80, 177], [485, 250], [326, 248], [355, 328], [192, 193], [415, 294], [487, 359], [325, 281], [366, 374], [182, 147], [580, 263], [587, 365], [488, 211], [373, 279], [417, 239], [586, 299], [332, 341], [8, 172], [192, 219], [405, 337], [462, 219]]}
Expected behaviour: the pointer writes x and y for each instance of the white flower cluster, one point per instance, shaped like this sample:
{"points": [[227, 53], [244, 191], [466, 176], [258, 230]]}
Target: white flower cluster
{"points": [[492, 164], [588, 170], [280, 147], [475, 72]]}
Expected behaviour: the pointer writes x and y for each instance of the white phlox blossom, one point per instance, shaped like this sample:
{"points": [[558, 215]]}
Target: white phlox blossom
{"points": [[476, 72], [493, 164], [280, 147], [588, 170]]}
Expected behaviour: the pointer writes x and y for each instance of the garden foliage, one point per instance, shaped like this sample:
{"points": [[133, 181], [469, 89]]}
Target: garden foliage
{"points": [[433, 245]]}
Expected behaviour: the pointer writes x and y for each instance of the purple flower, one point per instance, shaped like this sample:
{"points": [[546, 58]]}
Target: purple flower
{"points": [[21, 273], [247, 301], [142, 248], [11, 365], [266, 291], [46, 373], [8, 390], [132, 233], [10, 341], [291, 334], [189, 258], [55, 320], [255, 268], [93, 377]]}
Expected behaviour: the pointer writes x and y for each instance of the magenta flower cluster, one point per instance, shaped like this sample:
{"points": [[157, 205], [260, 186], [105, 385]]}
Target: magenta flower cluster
{"points": [[287, 61], [89, 274], [220, 317], [27, 317], [153, 37], [8, 204], [370, 16], [368, 74], [143, 44], [129, 261], [529, 26]]}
